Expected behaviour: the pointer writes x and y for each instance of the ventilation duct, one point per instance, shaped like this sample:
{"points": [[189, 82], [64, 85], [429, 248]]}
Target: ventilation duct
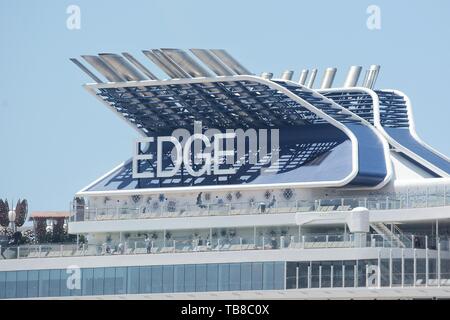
{"points": [[312, 78], [287, 75], [328, 78], [267, 75], [352, 77], [303, 77], [371, 76]]}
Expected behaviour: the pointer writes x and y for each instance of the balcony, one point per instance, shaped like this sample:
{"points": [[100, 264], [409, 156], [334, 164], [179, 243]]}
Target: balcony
{"points": [[424, 199], [305, 242]]}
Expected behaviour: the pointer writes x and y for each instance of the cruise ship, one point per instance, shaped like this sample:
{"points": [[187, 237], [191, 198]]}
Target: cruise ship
{"points": [[249, 186]]}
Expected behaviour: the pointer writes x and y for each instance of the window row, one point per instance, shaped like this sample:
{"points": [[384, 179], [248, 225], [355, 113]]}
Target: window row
{"points": [[143, 279]]}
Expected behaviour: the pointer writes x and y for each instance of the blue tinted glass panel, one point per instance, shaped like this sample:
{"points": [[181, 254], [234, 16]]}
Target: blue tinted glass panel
{"points": [[121, 280], [189, 278], [133, 280], [279, 275], [224, 277], [87, 281], [33, 283], [257, 276], [268, 270], [55, 279], [168, 279], [110, 276], [157, 279], [22, 284], [212, 277], [44, 281], [2, 285], [200, 277], [235, 276], [246, 276], [63, 289], [99, 281], [179, 278], [145, 279], [11, 282]]}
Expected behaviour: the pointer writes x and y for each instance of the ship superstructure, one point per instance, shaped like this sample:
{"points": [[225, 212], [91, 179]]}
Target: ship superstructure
{"points": [[249, 186]]}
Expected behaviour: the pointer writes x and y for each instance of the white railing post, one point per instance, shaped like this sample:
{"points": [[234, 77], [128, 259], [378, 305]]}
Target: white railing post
{"points": [[343, 275], [355, 275], [426, 267], [439, 263], [309, 277], [61, 249], [332, 276], [320, 277], [296, 277], [403, 267], [263, 244], [415, 267], [240, 243], [326, 241], [40, 251], [390, 268], [18, 252], [303, 242], [367, 275]]}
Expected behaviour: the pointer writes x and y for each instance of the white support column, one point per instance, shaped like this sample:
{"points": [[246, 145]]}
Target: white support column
{"points": [[332, 277], [320, 277], [390, 268], [367, 275], [309, 276], [403, 267], [437, 233], [439, 264], [426, 267], [415, 267], [379, 269]]}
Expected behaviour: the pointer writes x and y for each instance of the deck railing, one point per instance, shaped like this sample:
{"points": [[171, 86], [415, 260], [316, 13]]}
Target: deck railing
{"points": [[169, 210], [148, 246]]}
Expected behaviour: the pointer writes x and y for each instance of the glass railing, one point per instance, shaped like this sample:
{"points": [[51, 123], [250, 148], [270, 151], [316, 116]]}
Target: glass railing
{"points": [[169, 210], [155, 246]]}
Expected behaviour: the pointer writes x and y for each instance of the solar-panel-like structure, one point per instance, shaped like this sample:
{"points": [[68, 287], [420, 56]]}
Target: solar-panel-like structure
{"points": [[328, 137]]}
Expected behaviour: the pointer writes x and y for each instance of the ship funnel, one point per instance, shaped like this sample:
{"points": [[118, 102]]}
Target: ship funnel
{"points": [[140, 66], [328, 78], [86, 70], [352, 77], [165, 63], [312, 78], [184, 61], [209, 59], [287, 75], [303, 76], [267, 75], [103, 68], [230, 62], [371, 76], [122, 67]]}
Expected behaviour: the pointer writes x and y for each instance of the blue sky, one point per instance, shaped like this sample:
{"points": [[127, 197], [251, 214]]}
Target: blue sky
{"points": [[55, 138]]}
